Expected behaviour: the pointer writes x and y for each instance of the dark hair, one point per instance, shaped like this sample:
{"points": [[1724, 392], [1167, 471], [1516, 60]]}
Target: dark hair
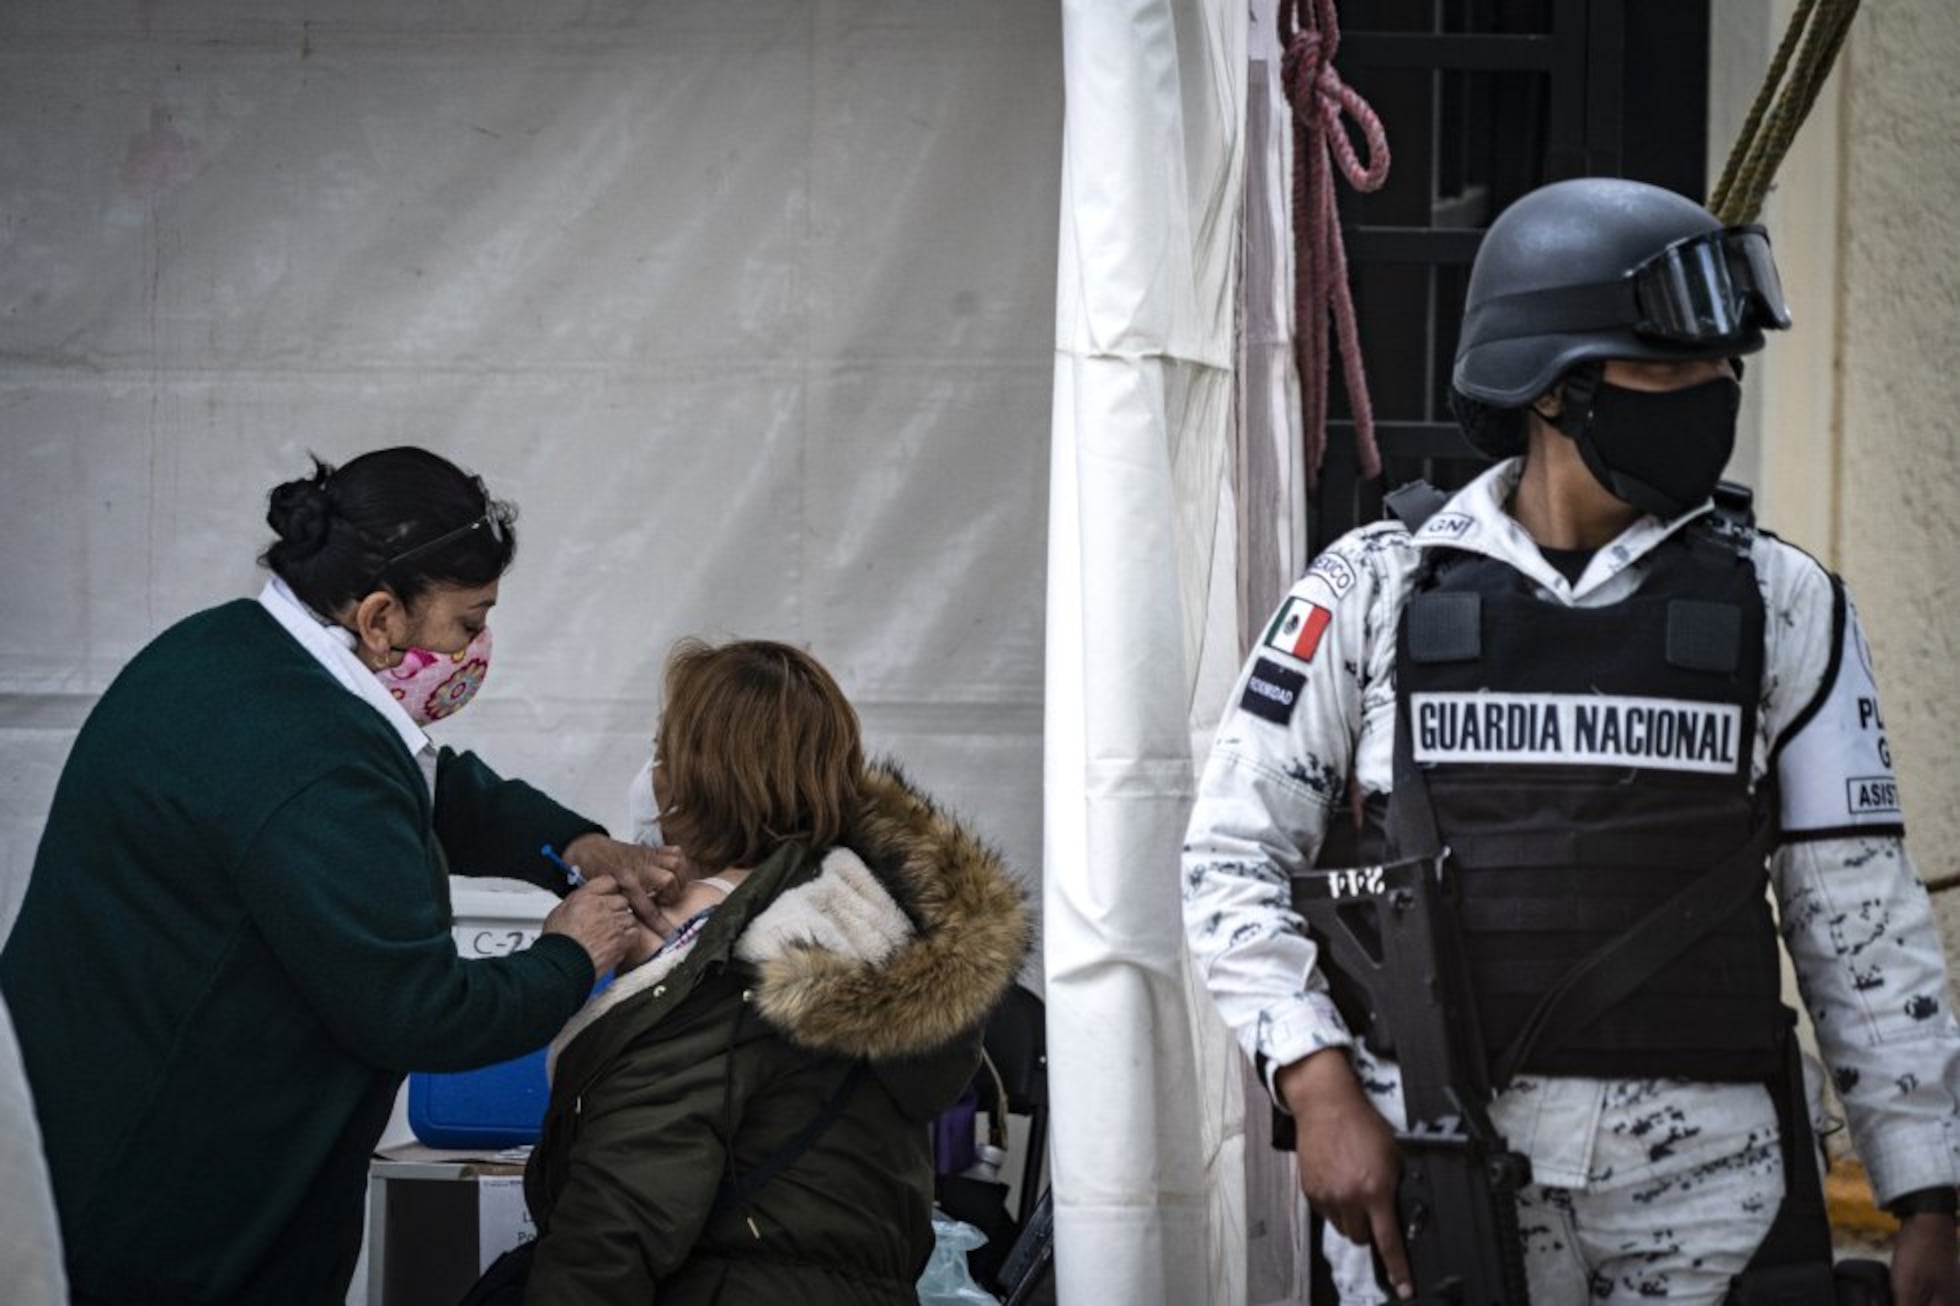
{"points": [[346, 532], [757, 746]]}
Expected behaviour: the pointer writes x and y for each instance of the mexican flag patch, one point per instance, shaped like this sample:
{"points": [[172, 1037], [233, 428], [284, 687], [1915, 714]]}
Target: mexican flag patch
{"points": [[1296, 631]]}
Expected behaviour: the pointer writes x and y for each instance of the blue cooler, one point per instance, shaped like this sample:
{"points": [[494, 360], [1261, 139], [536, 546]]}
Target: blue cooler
{"points": [[502, 1105], [498, 1106]]}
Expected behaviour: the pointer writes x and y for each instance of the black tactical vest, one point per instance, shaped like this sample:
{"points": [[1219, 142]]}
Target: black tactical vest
{"points": [[1583, 766]]}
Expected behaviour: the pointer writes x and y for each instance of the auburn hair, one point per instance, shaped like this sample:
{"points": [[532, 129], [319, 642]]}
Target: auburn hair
{"points": [[757, 746]]}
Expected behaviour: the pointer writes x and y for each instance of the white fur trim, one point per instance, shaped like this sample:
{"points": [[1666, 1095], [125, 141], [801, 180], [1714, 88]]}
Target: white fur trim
{"points": [[844, 910]]}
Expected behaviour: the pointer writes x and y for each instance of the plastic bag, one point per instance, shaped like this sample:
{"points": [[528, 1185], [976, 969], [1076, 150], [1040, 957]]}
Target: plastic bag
{"points": [[947, 1282]]}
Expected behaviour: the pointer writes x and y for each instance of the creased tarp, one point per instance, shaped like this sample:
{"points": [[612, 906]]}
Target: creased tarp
{"points": [[1144, 392], [748, 305]]}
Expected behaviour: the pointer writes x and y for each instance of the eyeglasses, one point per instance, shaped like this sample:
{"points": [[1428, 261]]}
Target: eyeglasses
{"points": [[489, 521]]}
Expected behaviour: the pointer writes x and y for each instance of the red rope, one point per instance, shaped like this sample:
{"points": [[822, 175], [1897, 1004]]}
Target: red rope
{"points": [[1311, 34]]}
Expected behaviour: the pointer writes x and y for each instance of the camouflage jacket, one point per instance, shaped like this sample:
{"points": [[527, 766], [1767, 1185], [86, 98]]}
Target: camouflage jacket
{"points": [[1856, 920]]}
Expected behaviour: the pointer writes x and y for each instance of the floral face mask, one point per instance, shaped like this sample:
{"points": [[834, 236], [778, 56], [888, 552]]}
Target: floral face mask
{"points": [[431, 686]]}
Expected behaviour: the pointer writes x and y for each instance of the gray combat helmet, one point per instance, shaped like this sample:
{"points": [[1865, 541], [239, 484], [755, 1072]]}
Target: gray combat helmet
{"points": [[1599, 268]]}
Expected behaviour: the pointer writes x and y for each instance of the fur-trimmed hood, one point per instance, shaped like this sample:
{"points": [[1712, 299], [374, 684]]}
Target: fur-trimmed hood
{"points": [[900, 943], [968, 934]]}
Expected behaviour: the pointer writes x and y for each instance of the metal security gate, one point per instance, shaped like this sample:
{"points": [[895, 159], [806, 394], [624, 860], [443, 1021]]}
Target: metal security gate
{"points": [[1484, 100]]}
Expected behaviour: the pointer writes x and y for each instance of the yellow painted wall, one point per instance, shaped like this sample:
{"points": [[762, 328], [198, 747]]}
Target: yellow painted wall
{"points": [[1898, 431], [1854, 435]]}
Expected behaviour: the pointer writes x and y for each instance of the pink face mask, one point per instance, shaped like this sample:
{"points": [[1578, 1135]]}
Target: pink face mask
{"points": [[431, 686]]}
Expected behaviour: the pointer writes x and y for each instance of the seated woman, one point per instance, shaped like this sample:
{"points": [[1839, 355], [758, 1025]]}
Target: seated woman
{"points": [[742, 1118]]}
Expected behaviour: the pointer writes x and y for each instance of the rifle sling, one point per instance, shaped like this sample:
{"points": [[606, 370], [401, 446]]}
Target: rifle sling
{"points": [[1601, 980], [1800, 1234]]}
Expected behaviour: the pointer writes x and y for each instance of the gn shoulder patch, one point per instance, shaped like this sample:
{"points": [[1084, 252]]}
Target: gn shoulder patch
{"points": [[1271, 691]]}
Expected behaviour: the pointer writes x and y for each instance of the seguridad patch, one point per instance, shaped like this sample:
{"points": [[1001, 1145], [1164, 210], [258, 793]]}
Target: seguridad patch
{"points": [[1657, 734], [1272, 691], [1297, 629]]}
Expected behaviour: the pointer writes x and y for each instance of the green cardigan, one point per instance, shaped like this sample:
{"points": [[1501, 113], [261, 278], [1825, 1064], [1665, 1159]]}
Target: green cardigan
{"points": [[235, 942]]}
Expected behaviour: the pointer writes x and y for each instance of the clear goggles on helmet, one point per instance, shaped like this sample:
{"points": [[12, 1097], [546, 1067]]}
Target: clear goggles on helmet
{"points": [[1710, 287]]}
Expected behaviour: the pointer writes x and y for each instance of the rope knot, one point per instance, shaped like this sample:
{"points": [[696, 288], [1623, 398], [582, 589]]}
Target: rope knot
{"points": [[1310, 34], [1302, 63], [1319, 97]]}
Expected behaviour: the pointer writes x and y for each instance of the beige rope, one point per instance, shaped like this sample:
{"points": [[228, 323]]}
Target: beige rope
{"points": [[1815, 36]]}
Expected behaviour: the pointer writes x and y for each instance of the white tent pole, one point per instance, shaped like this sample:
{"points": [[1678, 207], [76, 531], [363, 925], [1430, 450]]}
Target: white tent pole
{"points": [[1152, 175]]}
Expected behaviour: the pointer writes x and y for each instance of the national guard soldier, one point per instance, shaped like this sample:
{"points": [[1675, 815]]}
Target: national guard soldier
{"points": [[1604, 692]]}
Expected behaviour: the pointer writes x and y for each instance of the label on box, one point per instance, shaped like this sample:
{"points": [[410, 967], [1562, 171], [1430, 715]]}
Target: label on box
{"points": [[493, 938], [503, 1221]]}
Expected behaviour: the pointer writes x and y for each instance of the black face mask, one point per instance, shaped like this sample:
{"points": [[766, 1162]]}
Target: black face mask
{"points": [[1660, 450]]}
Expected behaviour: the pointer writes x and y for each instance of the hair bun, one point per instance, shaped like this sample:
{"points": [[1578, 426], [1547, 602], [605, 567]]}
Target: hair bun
{"points": [[302, 514]]}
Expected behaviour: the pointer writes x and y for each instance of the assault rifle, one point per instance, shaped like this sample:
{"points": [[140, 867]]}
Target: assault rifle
{"points": [[1392, 932]]}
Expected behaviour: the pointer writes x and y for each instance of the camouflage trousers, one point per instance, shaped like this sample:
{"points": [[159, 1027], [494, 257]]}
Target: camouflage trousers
{"points": [[1652, 1189]]}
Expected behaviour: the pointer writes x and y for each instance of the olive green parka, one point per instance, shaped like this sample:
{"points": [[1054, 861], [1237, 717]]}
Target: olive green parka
{"points": [[699, 1065]]}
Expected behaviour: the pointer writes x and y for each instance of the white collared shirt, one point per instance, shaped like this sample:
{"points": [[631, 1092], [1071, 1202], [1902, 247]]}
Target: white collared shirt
{"points": [[1855, 917], [333, 648]]}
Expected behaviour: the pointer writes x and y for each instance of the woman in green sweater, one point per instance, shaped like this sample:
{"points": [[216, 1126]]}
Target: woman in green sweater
{"points": [[236, 939]]}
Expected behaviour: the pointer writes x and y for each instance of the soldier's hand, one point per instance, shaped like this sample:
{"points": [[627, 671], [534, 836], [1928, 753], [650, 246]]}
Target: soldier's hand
{"points": [[1925, 1266], [1347, 1156]]}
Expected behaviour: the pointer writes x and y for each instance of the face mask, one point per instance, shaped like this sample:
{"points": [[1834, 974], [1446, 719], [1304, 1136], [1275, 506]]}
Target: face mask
{"points": [[431, 686], [643, 809], [1661, 451]]}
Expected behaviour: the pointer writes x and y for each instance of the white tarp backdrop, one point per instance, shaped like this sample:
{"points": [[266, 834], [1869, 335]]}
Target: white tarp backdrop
{"points": [[749, 305]]}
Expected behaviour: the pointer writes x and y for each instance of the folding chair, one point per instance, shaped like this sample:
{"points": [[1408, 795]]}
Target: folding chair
{"points": [[1012, 1080]]}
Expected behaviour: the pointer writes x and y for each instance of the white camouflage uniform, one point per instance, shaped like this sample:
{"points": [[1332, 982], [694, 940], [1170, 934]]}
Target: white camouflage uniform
{"points": [[1642, 1188]]}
